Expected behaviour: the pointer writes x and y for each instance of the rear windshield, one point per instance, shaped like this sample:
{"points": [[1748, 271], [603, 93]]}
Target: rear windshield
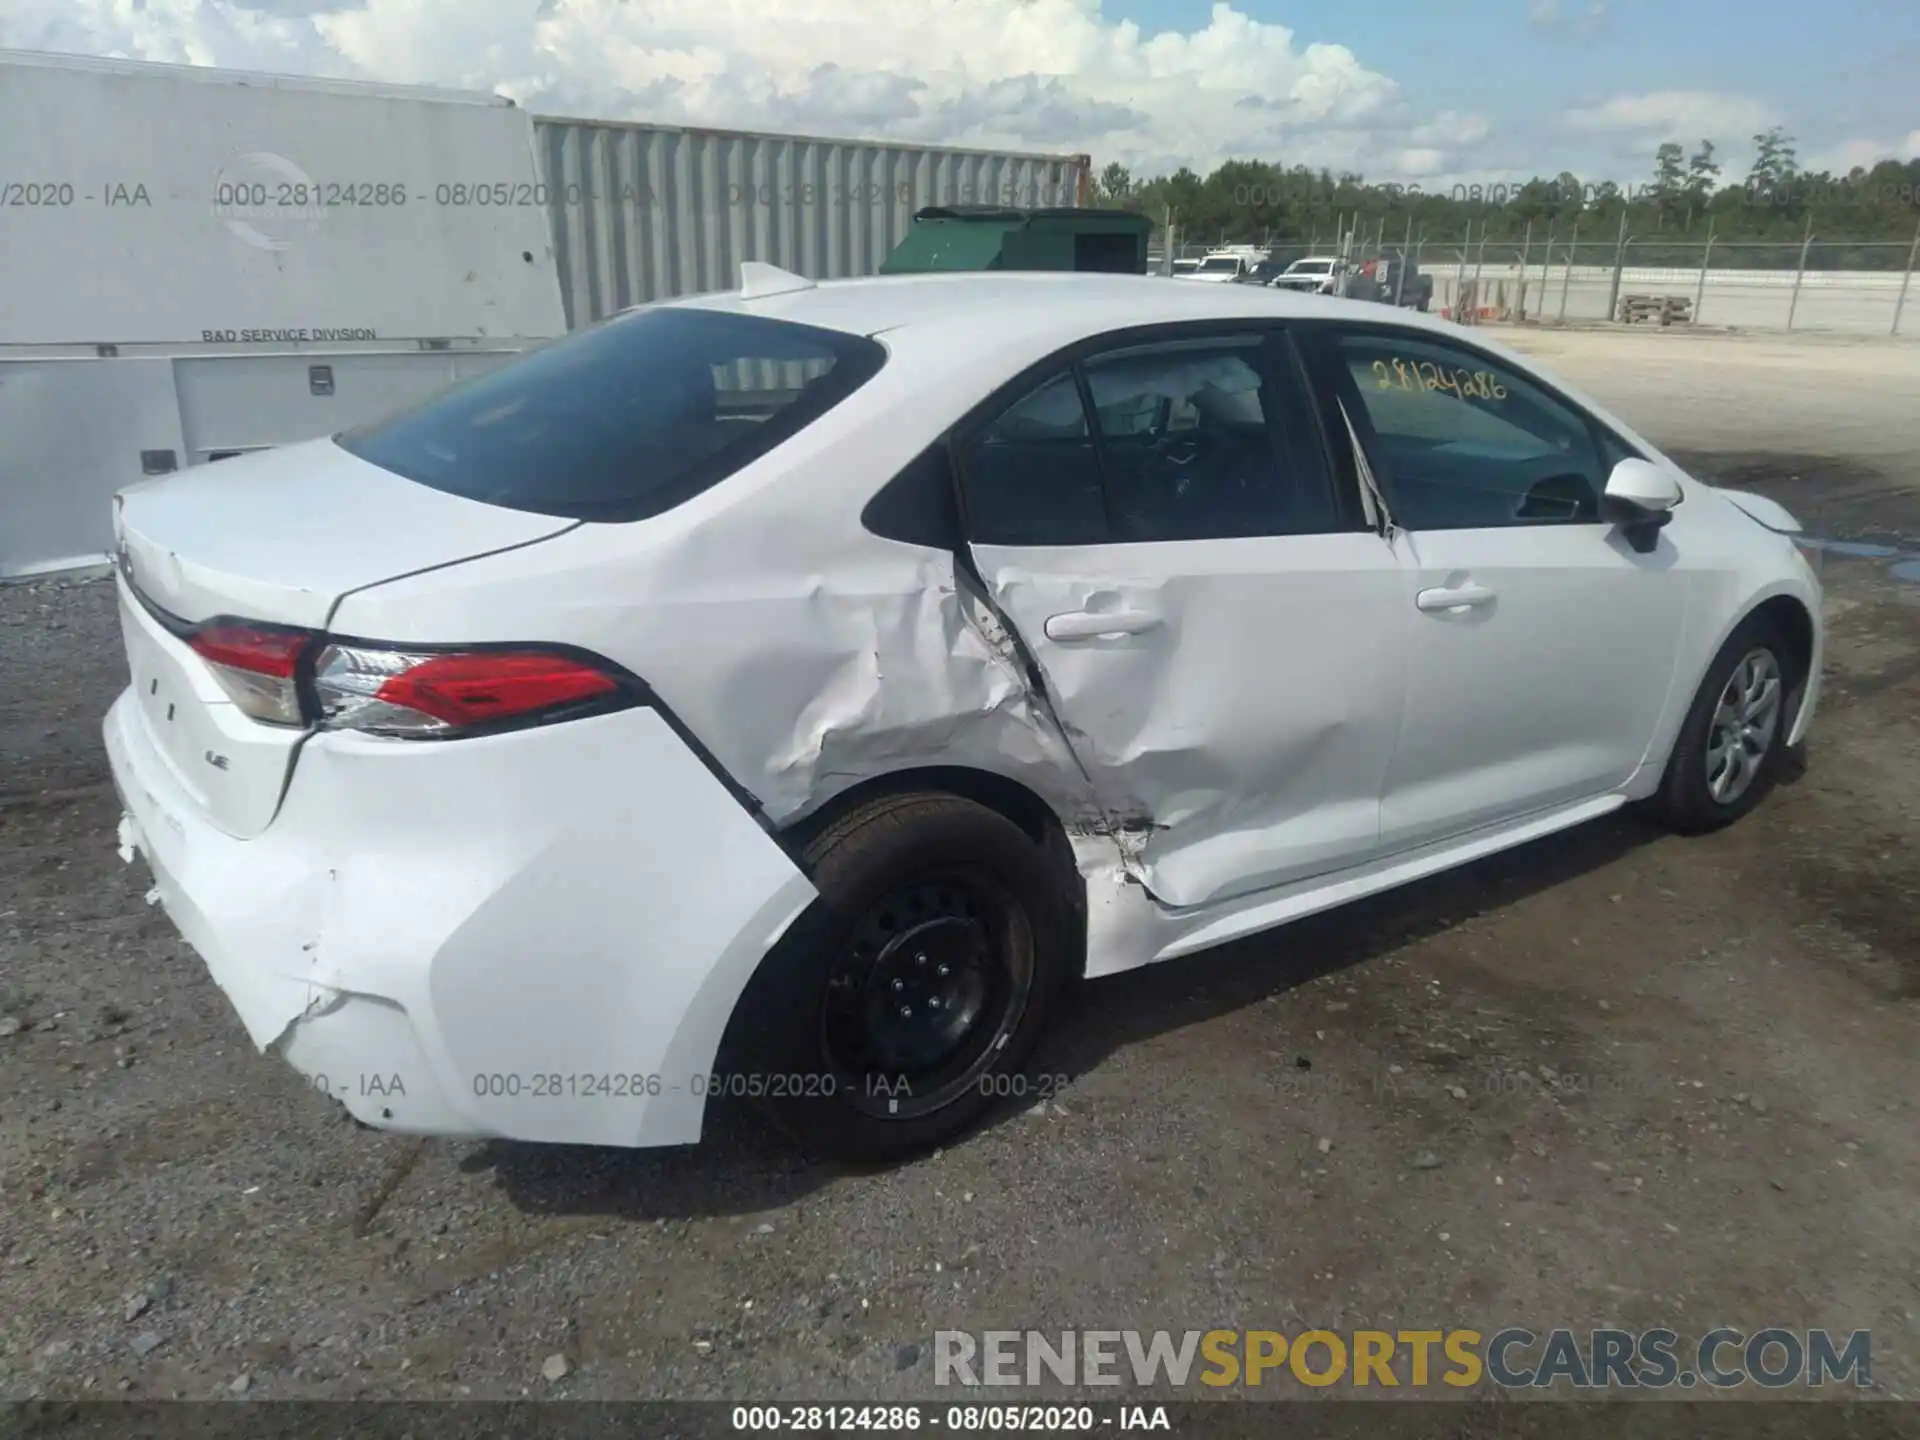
{"points": [[625, 419]]}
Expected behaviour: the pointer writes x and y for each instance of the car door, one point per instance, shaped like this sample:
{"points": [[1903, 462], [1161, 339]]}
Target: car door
{"points": [[1544, 642], [1162, 524]]}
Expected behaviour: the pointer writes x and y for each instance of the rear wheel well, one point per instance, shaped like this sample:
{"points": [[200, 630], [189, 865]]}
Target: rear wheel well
{"points": [[996, 792]]}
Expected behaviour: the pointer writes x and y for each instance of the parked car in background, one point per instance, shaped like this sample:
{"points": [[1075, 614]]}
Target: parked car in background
{"points": [[1228, 265], [1265, 271], [1399, 281], [785, 692], [1323, 275]]}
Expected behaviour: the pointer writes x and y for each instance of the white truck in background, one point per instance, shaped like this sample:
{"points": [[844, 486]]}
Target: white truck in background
{"points": [[196, 263], [1230, 264], [1319, 275]]}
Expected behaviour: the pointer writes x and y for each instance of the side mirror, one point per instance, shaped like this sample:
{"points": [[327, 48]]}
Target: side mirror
{"points": [[1643, 485], [1639, 499]]}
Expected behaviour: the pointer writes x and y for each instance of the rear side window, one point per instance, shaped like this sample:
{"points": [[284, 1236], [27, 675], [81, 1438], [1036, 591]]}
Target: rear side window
{"points": [[1032, 475], [625, 419], [1206, 437]]}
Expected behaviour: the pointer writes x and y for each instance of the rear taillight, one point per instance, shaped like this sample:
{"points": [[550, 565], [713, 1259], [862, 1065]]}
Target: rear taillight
{"points": [[425, 695], [279, 675], [256, 665]]}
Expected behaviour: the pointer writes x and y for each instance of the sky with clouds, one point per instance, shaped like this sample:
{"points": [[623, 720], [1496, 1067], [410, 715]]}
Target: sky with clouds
{"points": [[1403, 90]]}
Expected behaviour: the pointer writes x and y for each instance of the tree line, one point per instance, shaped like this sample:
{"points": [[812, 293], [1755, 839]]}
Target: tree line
{"points": [[1865, 219]]}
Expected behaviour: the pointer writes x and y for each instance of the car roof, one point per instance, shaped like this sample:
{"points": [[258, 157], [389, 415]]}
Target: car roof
{"points": [[994, 323], [1027, 308]]}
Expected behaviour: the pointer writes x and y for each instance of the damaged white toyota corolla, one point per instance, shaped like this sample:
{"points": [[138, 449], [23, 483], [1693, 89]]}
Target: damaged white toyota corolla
{"points": [[784, 692]]}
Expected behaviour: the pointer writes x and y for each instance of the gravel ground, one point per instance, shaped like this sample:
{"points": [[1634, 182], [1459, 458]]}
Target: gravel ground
{"points": [[1615, 1078]]}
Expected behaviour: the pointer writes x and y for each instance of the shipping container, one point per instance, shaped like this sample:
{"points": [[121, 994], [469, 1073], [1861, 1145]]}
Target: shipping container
{"points": [[195, 263], [647, 212]]}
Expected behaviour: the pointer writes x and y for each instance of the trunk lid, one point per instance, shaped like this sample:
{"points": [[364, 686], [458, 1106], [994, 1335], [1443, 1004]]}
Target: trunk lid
{"points": [[281, 535], [274, 538]]}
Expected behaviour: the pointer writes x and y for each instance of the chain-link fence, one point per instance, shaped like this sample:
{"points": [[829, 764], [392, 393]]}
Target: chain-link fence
{"points": [[1563, 277]]}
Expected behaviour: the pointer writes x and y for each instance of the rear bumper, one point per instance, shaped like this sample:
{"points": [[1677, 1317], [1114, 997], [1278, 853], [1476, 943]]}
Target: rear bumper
{"points": [[534, 936]]}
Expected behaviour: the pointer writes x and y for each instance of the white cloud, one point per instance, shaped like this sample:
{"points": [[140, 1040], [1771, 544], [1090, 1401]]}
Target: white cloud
{"points": [[1550, 17], [1684, 115], [1840, 158], [1452, 129], [1053, 75]]}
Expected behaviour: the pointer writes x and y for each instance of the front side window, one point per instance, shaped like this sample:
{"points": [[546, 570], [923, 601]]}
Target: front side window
{"points": [[1465, 442], [627, 418]]}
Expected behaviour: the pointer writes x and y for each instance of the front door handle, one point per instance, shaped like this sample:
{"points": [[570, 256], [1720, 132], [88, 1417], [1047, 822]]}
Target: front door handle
{"points": [[1453, 599], [1094, 625]]}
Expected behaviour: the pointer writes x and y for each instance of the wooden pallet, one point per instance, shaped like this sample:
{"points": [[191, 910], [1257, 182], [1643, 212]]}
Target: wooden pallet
{"points": [[1666, 309]]}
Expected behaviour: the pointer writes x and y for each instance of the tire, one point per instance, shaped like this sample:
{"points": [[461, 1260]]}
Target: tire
{"points": [[925, 898], [1689, 799]]}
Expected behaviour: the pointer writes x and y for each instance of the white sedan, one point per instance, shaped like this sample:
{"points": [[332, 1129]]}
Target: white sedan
{"points": [[785, 692]]}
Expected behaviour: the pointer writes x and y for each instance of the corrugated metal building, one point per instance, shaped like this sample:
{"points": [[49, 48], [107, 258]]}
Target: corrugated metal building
{"points": [[646, 212]]}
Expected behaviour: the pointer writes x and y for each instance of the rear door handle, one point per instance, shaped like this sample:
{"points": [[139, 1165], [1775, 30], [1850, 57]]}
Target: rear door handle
{"points": [[1459, 597], [1092, 625]]}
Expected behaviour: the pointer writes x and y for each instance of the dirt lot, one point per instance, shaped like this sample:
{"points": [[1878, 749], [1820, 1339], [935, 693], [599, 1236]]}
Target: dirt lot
{"points": [[1616, 1078]]}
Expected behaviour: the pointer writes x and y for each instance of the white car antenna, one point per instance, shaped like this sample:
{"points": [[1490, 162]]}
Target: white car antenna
{"points": [[759, 280]]}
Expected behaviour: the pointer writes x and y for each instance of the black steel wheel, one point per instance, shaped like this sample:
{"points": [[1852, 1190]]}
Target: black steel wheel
{"points": [[923, 973], [933, 976]]}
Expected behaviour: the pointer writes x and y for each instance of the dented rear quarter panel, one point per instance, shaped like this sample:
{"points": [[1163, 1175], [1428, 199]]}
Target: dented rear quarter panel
{"points": [[806, 653]]}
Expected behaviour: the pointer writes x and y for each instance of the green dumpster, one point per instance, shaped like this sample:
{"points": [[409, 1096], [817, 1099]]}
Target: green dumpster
{"points": [[984, 237]]}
